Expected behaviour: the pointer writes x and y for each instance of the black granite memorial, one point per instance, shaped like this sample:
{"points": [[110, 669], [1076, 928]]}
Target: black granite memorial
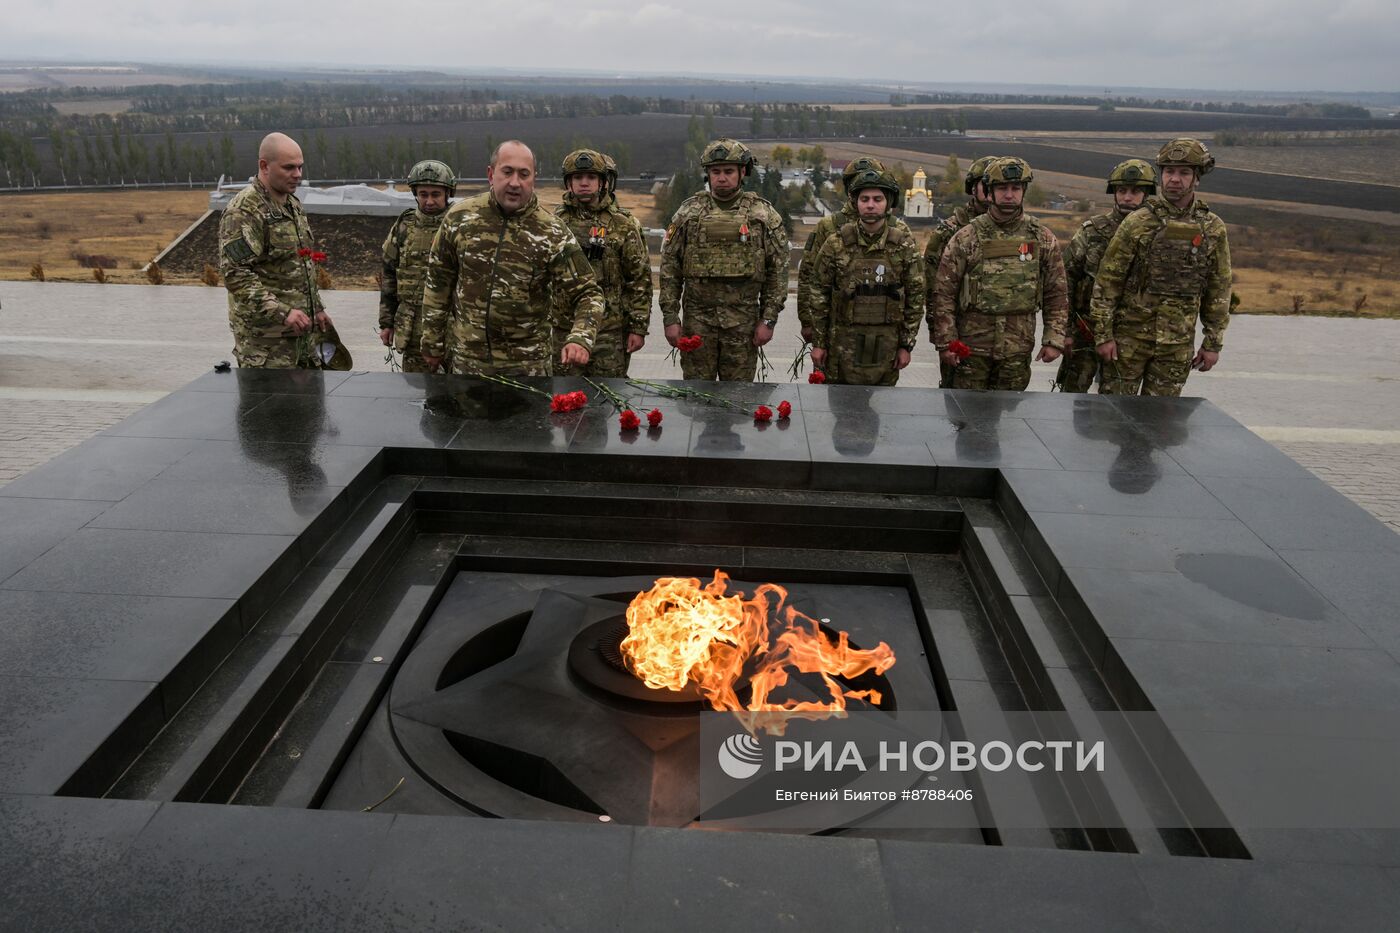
{"points": [[330, 651]]}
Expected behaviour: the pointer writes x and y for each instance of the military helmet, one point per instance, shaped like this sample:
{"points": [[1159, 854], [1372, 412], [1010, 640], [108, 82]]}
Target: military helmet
{"points": [[870, 178], [728, 152], [610, 167], [1186, 151], [586, 160], [432, 172], [975, 171], [1008, 171], [856, 166], [1134, 173]]}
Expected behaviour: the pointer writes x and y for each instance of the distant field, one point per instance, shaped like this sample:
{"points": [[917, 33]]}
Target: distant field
{"points": [[1375, 161], [1092, 120]]}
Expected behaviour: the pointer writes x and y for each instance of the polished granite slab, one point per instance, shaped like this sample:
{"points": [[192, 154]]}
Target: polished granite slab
{"points": [[1195, 562]]}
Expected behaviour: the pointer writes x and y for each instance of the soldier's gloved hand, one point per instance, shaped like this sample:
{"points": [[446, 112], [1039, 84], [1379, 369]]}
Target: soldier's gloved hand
{"points": [[673, 333], [1047, 354], [574, 355], [1205, 360], [323, 321], [635, 342], [297, 320], [807, 334], [762, 334], [818, 356], [386, 336], [1108, 351], [902, 358]]}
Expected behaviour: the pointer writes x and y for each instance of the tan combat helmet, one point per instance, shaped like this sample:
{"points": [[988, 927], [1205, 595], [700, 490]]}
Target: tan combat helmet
{"points": [[432, 172], [587, 160], [870, 178], [856, 166], [1186, 151], [975, 171], [610, 166], [1008, 171], [1134, 173], [728, 152]]}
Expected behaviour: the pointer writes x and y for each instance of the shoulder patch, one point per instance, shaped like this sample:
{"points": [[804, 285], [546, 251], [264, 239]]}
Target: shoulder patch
{"points": [[237, 250]]}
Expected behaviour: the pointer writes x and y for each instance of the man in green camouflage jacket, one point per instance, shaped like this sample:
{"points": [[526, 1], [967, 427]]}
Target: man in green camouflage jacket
{"points": [[615, 245], [1129, 183], [725, 259], [996, 273], [406, 261], [867, 299], [265, 249], [1168, 264], [807, 269], [976, 206], [496, 269]]}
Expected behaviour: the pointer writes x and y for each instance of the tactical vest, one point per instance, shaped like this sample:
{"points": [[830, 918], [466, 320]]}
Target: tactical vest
{"points": [[1006, 280], [601, 236], [1178, 257], [414, 237], [1101, 230], [725, 243], [872, 292]]}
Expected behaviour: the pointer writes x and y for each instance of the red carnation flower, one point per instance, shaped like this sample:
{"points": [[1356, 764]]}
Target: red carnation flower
{"points": [[629, 420], [784, 410], [816, 377], [571, 401], [304, 252], [763, 413], [654, 417], [318, 256], [688, 344], [961, 350]]}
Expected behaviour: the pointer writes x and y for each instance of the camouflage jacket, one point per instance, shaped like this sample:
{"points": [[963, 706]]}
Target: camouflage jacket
{"points": [[937, 243], [1163, 268], [493, 278], [620, 262], [807, 269], [871, 280], [730, 259], [992, 279], [405, 267], [1082, 258], [264, 257]]}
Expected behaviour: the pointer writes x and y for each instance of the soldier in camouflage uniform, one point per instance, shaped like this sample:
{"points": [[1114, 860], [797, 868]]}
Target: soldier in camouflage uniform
{"points": [[406, 261], [807, 269], [868, 295], [996, 273], [726, 258], [1168, 263], [1129, 183], [497, 267], [274, 308], [976, 206], [614, 243]]}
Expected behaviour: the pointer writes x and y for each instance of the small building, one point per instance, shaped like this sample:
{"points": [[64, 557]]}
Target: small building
{"points": [[918, 203]]}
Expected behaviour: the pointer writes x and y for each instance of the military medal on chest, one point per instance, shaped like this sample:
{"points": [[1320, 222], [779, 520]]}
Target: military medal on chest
{"points": [[597, 237], [1025, 250], [743, 233], [1196, 242], [880, 274]]}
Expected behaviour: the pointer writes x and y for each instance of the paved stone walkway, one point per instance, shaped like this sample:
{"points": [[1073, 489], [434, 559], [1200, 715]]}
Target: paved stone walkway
{"points": [[76, 358]]}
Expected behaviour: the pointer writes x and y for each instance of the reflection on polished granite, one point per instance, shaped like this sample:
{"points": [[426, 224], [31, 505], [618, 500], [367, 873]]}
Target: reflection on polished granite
{"points": [[1195, 562]]}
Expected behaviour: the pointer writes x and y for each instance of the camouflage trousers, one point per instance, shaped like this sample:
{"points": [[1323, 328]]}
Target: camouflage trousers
{"points": [[726, 354], [1144, 368], [273, 353], [412, 350], [500, 363], [1077, 370], [984, 372], [863, 356], [609, 359]]}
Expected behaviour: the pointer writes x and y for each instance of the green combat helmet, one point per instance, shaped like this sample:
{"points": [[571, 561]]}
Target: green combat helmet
{"points": [[728, 152], [1008, 171], [975, 171], [875, 179], [432, 172], [856, 166], [586, 160], [1186, 151], [1134, 173]]}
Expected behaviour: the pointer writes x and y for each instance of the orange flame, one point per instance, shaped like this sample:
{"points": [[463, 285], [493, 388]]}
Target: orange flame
{"points": [[681, 633]]}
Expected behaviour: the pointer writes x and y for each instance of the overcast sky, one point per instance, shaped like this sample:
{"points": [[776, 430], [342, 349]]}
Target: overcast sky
{"points": [[1241, 44]]}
